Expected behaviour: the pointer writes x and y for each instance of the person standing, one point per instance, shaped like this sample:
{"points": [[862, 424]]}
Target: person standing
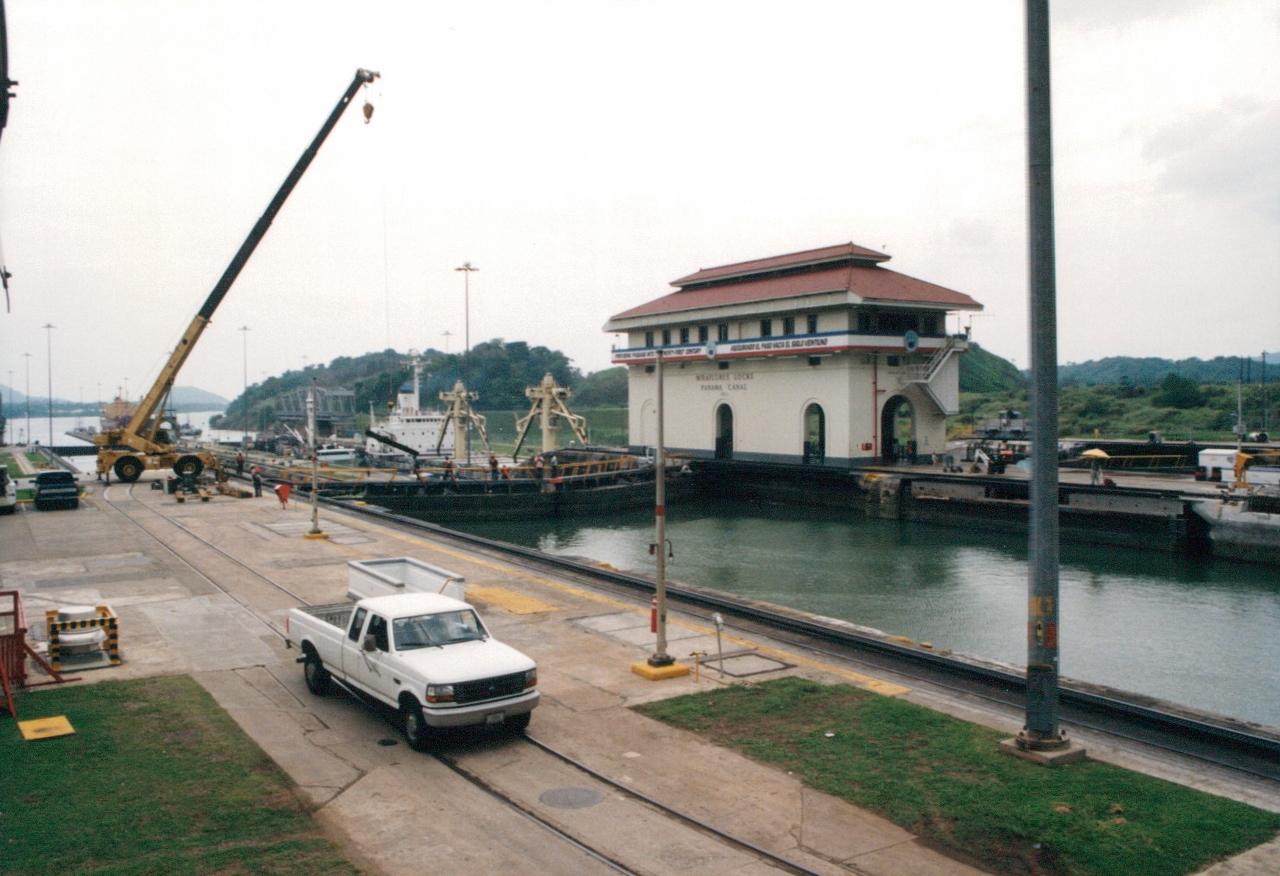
{"points": [[257, 482], [493, 466], [282, 493], [240, 464], [537, 468]]}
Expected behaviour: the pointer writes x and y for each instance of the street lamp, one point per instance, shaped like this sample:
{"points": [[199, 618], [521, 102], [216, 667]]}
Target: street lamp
{"points": [[28, 355], [467, 270], [49, 327], [244, 332]]}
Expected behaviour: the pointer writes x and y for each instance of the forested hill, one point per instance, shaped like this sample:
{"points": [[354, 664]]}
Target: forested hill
{"points": [[499, 371], [1117, 370], [985, 372]]}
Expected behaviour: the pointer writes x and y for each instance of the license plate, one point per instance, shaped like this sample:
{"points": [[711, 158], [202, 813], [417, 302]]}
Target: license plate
{"points": [[495, 718]]}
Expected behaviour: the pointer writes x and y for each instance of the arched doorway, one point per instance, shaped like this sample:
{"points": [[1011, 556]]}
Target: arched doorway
{"points": [[815, 435], [724, 432], [897, 431]]}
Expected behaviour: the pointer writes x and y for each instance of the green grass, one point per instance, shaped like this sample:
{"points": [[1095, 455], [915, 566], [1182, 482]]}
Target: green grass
{"points": [[157, 779], [946, 780]]}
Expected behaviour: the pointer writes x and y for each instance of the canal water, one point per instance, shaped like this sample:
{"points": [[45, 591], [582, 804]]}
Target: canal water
{"points": [[1201, 633]]}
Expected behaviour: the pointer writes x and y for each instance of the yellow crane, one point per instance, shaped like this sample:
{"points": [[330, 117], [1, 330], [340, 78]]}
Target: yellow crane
{"points": [[144, 443]]}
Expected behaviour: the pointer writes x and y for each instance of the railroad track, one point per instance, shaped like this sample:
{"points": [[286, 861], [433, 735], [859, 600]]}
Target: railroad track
{"points": [[457, 758], [1233, 745]]}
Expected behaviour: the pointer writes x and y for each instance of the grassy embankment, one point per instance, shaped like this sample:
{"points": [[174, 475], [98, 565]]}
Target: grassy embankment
{"points": [[946, 780], [1197, 413], [156, 779]]}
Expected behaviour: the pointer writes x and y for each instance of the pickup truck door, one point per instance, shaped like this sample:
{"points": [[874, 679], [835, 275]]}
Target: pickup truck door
{"points": [[368, 669]]}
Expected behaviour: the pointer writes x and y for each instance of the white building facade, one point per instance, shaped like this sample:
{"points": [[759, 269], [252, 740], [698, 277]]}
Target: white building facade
{"points": [[820, 357]]}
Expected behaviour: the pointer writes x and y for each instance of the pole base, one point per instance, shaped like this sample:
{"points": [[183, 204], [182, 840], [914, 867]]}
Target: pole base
{"points": [[657, 673], [1046, 752], [316, 534]]}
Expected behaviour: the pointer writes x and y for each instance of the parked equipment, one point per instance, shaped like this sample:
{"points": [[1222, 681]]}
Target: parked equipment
{"points": [[148, 441]]}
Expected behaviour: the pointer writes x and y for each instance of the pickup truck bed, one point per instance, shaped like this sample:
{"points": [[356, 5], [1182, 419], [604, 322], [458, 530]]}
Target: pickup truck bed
{"points": [[427, 655]]}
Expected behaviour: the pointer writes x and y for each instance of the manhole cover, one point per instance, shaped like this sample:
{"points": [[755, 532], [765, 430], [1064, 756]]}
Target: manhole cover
{"points": [[571, 798]]}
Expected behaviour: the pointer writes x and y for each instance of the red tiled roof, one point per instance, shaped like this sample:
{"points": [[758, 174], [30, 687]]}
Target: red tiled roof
{"points": [[840, 251], [869, 282]]}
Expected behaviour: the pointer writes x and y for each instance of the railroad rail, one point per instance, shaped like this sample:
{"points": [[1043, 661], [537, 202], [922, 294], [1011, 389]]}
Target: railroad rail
{"points": [[770, 860]]}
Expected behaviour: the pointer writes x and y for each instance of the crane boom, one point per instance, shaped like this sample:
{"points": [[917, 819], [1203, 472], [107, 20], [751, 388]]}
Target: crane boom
{"points": [[141, 435]]}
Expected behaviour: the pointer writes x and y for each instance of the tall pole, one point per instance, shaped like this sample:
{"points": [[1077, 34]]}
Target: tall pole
{"points": [[49, 327], [1041, 732], [660, 656], [467, 270], [1264, 390], [28, 355], [244, 333], [311, 432]]}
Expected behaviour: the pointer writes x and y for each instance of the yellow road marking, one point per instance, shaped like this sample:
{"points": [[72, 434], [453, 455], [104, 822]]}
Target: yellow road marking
{"points": [[886, 688], [516, 603]]}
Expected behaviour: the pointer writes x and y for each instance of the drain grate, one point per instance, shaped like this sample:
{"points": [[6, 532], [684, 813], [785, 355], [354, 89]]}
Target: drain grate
{"points": [[571, 798]]}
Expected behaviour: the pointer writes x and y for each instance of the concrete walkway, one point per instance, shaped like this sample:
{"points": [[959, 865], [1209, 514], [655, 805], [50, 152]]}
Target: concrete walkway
{"points": [[188, 608]]}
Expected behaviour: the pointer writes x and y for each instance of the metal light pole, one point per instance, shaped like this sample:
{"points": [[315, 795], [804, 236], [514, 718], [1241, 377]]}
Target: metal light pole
{"points": [[467, 270], [660, 657], [311, 431], [28, 393], [244, 333], [49, 327], [1041, 732]]}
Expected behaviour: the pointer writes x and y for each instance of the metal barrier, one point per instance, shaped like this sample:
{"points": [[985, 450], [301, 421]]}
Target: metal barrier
{"points": [[14, 651], [63, 635]]}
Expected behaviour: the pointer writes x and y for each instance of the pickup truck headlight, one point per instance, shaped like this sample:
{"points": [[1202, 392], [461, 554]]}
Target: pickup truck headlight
{"points": [[439, 693], [531, 678]]}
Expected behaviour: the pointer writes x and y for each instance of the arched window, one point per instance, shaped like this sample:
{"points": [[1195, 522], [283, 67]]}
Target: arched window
{"points": [[724, 432], [815, 435]]}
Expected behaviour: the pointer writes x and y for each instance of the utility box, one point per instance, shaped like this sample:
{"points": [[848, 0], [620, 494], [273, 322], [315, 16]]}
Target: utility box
{"points": [[366, 578]]}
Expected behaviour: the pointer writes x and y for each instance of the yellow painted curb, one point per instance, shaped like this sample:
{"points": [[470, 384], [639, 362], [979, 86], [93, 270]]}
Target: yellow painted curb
{"points": [[315, 535]]}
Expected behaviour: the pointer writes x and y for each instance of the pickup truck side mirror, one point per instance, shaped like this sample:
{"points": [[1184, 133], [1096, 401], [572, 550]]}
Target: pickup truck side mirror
{"points": [[370, 643]]}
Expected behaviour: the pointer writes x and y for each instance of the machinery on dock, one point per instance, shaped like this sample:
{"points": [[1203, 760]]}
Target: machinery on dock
{"points": [[549, 406], [148, 441]]}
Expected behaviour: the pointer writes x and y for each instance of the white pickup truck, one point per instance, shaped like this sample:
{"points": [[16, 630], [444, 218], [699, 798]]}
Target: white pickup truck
{"points": [[425, 654]]}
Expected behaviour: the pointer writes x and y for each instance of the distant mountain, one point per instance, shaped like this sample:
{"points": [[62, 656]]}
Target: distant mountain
{"points": [[189, 398], [182, 399], [1115, 370]]}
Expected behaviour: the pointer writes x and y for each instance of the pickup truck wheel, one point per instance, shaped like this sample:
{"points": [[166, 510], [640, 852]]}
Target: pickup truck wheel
{"points": [[128, 469], [415, 726], [317, 677], [188, 465], [517, 723]]}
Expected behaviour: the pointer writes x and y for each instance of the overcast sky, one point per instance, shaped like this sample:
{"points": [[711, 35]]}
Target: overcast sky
{"points": [[584, 154]]}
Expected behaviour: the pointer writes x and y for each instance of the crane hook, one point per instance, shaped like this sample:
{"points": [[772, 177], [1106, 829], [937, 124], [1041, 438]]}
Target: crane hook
{"points": [[368, 111]]}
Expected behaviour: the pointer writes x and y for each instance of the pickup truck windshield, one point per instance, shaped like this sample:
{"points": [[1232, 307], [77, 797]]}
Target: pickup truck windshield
{"points": [[438, 630]]}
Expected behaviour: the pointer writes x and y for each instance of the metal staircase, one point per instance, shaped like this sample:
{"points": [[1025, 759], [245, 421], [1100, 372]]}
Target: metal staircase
{"points": [[923, 374]]}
